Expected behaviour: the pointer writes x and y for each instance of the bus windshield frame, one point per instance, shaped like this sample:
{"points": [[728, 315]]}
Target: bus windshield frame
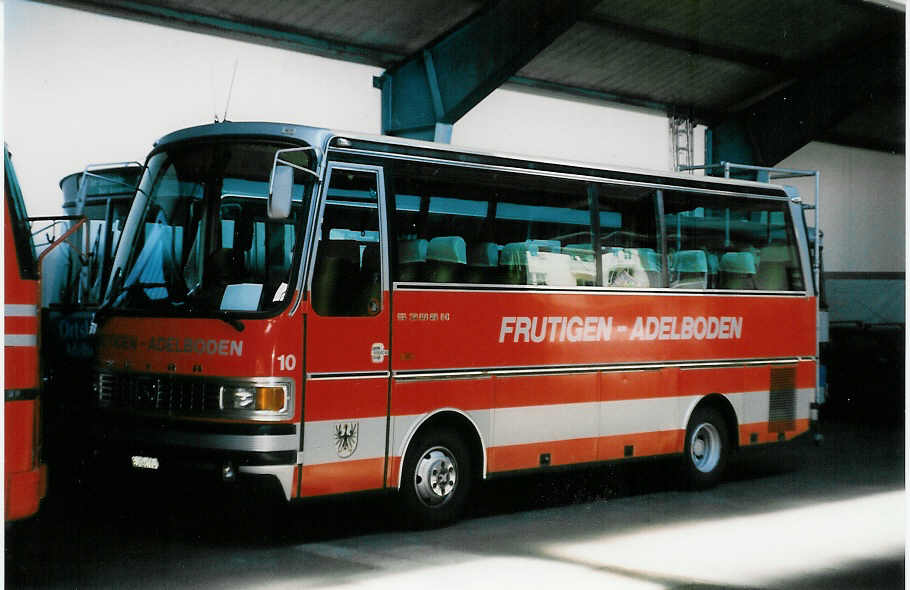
{"points": [[198, 240]]}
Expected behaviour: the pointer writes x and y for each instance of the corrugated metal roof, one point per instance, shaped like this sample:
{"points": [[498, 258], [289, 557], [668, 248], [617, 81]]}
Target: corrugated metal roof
{"points": [[704, 57], [585, 57]]}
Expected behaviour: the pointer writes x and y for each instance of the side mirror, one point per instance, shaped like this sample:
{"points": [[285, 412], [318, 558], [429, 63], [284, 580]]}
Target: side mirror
{"points": [[280, 189], [281, 184]]}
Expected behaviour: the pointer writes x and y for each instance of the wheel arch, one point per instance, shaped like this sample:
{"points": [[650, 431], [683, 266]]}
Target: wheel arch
{"points": [[453, 418], [727, 411]]}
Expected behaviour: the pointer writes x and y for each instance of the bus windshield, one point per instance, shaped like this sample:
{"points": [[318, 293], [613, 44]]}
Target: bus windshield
{"points": [[198, 239]]}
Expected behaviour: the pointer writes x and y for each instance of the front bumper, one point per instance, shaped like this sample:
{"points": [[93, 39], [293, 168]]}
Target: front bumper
{"points": [[204, 449]]}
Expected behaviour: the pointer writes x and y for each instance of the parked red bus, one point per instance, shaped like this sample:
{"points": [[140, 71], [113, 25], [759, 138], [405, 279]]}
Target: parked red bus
{"points": [[344, 313], [26, 475], [72, 285], [25, 469]]}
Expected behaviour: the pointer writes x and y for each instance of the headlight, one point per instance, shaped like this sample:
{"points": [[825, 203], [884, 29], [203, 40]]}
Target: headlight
{"points": [[272, 399]]}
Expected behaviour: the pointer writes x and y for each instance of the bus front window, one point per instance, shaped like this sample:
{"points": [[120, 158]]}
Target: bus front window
{"points": [[199, 240]]}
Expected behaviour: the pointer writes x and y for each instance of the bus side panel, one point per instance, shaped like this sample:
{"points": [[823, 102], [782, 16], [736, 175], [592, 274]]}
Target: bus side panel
{"points": [[414, 401], [25, 476], [525, 329], [771, 390], [20, 364], [553, 404], [19, 434], [20, 320], [642, 413], [26, 479], [639, 413], [344, 434], [555, 415]]}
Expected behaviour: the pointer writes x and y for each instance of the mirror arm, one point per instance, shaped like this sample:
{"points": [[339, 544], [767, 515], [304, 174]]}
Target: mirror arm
{"points": [[284, 162]]}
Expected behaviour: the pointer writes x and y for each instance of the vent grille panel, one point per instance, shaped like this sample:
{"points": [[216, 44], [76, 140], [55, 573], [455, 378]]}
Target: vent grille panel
{"points": [[169, 394], [782, 407]]}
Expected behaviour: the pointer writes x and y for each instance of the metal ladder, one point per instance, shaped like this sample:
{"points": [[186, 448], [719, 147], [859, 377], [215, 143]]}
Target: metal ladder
{"points": [[682, 142]]}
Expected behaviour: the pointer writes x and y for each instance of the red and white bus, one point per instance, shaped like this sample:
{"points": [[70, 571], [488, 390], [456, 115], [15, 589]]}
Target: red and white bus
{"points": [[344, 313], [25, 470], [26, 475]]}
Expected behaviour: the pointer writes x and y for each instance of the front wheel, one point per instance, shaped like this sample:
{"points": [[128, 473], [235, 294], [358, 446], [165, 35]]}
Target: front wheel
{"points": [[436, 479], [706, 449]]}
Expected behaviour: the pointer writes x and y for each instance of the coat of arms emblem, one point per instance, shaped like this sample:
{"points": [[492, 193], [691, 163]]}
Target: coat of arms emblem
{"points": [[346, 438]]}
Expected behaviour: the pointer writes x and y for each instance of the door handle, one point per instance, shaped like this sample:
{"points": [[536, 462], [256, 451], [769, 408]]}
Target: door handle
{"points": [[378, 352]]}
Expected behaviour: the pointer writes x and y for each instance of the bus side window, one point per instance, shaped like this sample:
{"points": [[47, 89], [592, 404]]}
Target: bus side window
{"points": [[347, 277], [456, 225], [629, 249], [728, 243], [545, 229]]}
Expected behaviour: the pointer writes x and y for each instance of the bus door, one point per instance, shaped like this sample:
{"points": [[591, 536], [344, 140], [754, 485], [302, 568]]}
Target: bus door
{"points": [[347, 337]]}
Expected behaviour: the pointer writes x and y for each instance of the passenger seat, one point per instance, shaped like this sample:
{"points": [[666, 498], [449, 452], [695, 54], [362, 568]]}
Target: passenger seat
{"points": [[446, 259], [737, 271], [650, 262], [773, 272], [369, 292], [690, 270], [483, 259], [337, 265], [412, 256], [513, 263]]}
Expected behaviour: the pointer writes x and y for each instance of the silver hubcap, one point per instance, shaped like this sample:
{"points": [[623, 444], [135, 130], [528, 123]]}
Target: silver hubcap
{"points": [[704, 447], [436, 476]]}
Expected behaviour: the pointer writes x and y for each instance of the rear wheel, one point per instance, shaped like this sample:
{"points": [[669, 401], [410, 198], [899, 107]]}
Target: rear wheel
{"points": [[436, 479], [706, 449]]}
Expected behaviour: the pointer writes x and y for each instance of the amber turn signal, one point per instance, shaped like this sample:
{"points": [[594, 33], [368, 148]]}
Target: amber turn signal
{"points": [[272, 399]]}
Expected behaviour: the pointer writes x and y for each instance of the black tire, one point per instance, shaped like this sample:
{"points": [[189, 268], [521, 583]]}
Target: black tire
{"points": [[706, 449], [436, 479]]}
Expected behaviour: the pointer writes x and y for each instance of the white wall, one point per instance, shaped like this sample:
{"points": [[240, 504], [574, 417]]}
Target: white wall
{"points": [[863, 205], [568, 128], [863, 215]]}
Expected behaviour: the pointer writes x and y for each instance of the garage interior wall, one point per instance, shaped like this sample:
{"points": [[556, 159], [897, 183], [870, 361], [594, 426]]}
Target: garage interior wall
{"points": [[864, 223]]}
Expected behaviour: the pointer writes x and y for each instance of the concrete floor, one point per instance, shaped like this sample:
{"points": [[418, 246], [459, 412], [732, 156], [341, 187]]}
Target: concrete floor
{"points": [[796, 516]]}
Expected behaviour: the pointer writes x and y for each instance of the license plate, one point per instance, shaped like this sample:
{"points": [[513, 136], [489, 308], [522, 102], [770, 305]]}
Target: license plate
{"points": [[144, 462]]}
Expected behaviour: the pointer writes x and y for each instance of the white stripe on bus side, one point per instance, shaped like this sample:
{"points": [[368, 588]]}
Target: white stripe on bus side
{"points": [[521, 425], [321, 440], [535, 424], [20, 310], [403, 428], [20, 340], [756, 405]]}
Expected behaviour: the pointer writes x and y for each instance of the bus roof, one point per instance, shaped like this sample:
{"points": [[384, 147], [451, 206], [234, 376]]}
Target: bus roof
{"points": [[314, 136], [320, 138]]}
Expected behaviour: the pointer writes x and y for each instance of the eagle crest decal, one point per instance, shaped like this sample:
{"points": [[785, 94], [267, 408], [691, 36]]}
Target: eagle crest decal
{"points": [[346, 438]]}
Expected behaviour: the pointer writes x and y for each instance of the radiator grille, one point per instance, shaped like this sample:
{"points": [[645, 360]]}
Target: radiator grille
{"points": [[171, 394], [782, 407]]}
